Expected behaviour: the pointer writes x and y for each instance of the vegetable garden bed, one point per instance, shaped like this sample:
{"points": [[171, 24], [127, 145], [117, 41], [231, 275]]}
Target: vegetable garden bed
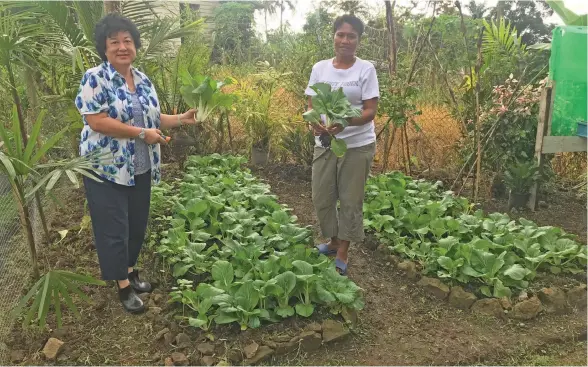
{"points": [[239, 256], [491, 256]]}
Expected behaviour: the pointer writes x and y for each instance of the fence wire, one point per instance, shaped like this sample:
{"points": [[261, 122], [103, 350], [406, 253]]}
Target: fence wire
{"points": [[15, 260]]}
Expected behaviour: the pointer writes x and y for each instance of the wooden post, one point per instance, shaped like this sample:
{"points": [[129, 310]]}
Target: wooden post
{"points": [[542, 130]]}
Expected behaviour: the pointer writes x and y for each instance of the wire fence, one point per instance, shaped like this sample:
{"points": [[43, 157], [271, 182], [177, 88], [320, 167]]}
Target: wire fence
{"points": [[15, 259]]}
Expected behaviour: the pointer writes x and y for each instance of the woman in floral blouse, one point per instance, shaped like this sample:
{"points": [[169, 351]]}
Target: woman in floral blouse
{"points": [[122, 119]]}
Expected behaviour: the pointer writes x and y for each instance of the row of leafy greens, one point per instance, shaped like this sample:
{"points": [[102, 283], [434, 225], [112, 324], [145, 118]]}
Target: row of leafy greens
{"points": [[237, 254], [495, 254]]}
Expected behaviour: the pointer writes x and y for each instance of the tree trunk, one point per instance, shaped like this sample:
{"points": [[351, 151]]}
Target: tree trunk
{"points": [[229, 133], [391, 37], [281, 17], [111, 6], [265, 19], [26, 225], [478, 141], [30, 77], [16, 99]]}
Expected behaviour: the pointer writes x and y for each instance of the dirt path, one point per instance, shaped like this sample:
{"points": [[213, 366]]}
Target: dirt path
{"points": [[400, 325]]}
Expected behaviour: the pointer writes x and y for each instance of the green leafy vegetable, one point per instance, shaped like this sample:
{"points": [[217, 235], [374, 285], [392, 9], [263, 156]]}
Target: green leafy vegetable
{"points": [[205, 95]]}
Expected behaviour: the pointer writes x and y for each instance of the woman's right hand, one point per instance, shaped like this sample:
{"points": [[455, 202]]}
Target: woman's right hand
{"points": [[153, 136]]}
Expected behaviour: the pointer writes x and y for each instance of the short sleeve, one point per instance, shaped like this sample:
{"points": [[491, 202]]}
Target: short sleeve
{"points": [[92, 97], [313, 80], [369, 84]]}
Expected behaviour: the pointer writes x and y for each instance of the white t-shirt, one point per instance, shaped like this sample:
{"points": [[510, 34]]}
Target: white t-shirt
{"points": [[359, 83]]}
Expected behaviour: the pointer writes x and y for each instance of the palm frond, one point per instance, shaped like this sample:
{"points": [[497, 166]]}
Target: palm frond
{"points": [[88, 13], [502, 39], [166, 29], [49, 290], [142, 13]]}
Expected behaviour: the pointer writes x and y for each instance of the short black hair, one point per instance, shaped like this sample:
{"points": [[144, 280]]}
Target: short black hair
{"points": [[111, 24], [352, 20]]}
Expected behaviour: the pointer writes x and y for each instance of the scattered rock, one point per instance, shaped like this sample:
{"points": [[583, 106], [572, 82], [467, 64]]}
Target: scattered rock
{"points": [[223, 363], [543, 204], [314, 326], [527, 309], [161, 333], [333, 330], [488, 306], [461, 299], [514, 210], [151, 303], [158, 297], [153, 311], [523, 296], [157, 291], [207, 361], [270, 343], [310, 341], [409, 268], [576, 297], [235, 356], [169, 362], [179, 359], [174, 327], [52, 348], [282, 338], [285, 348], [183, 340], [263, 353], [156, 357], [506, 303], [553, 299], [17, 356], [250, 350], [168, 338], [393, 259], [434, 286], [205, 348], [349, 315], [100, 302]]}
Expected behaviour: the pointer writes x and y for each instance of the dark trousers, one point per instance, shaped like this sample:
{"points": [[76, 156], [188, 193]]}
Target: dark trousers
{"points": [[119, 221]]}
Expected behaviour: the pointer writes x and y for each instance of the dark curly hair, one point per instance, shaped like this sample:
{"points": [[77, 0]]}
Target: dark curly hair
{"points": [[352, 20], [111, 24]]}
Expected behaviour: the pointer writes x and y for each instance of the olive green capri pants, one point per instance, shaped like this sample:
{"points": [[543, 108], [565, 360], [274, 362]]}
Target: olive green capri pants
{"points": [[341, 179]]}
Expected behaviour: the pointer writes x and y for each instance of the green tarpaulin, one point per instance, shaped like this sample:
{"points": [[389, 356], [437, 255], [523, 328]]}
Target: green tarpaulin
{"points": [[568, 67]]}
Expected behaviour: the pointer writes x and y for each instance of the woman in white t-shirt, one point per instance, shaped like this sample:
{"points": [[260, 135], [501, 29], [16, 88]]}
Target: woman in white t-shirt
{"points": [[343, 179]]}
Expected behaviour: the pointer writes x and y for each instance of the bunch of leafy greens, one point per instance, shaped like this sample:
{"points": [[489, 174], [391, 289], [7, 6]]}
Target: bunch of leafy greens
{"points": [[205, 95], [336, 108], [493, 253], [253, 263]]}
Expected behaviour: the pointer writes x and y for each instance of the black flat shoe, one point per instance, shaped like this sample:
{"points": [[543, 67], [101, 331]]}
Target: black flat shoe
{"points": [[129, 299], [137, 284]]}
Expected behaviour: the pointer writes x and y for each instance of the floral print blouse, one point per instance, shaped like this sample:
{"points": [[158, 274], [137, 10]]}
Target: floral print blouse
{"points": [[103, 89]]}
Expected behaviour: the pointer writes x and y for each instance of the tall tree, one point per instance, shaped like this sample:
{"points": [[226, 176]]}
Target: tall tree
{"points": [[353, 7], [282, 5], [527, 17], [477, 10]]}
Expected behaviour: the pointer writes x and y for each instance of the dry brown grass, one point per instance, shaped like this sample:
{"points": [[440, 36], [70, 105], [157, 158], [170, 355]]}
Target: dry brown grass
{"points": [[433, 146]]}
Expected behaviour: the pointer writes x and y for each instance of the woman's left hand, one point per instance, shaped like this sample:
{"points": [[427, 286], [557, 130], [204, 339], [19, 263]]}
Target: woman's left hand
{"points": [[188, 117]]}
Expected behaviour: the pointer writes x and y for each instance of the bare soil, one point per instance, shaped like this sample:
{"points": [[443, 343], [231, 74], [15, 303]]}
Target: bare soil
{"points": [[400, 325]]}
